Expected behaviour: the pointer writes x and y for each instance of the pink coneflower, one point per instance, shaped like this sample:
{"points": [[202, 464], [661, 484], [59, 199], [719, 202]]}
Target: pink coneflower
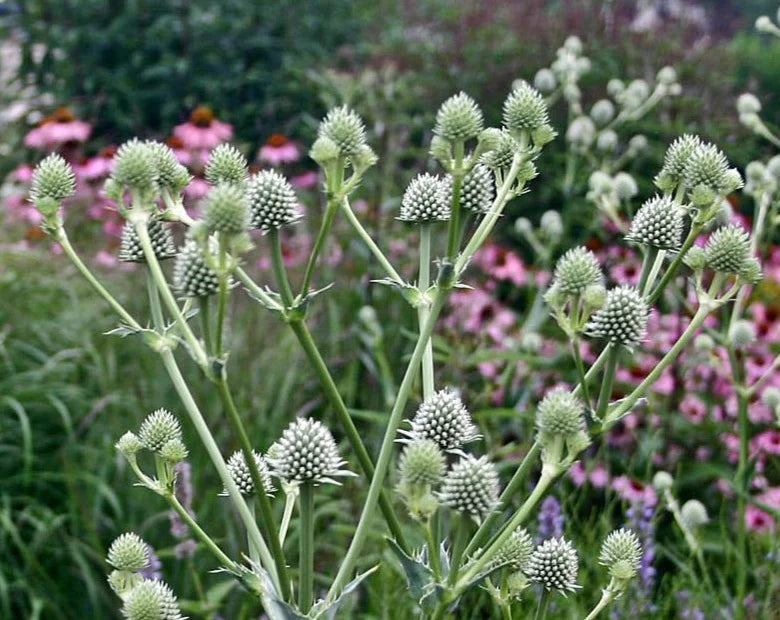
{"points": [[502, 264], [97, 167], [599, 477], [634, 491], [307, 180], [757, 520], [279, 150], [23, 174], [578, 474], [57, 128], [196, 189], [767, 442], [203, 131], [693, 408]]}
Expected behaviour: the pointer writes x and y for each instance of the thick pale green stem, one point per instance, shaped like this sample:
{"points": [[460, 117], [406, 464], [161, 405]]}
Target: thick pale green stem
{"points": [[277, 262], [458, 547], [544, 604], [306, 547], [607, 596], [319, 243], [370, 243], [608, 380], [422, 310], [433, 551], [222, 296], [647, 265], [693, 234]]}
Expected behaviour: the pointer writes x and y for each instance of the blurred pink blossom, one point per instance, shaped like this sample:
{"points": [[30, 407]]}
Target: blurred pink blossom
{"points": [[203, 131], [279, 150], [58, 128]]}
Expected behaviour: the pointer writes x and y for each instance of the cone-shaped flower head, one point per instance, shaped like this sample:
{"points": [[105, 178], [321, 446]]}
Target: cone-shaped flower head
{"points": [[677, 156], [621, 554], [171, 175], [694, 514], [545, 81], [151, 600], [707, 166], [174, 451], [422, 462], [226, 210], [560, 413], [425, 200], [663, 481], [501, 156], [516, 552], [459, 118], [191, 276], [554, 565], [306, 452], [742, 333], [158, 429], [345, 129], [130, 250], [129, 444], [728, 249], [476, 193], [135, 166], [623, 317], [128, 552], [576, 270], [443, 418], [658, 224], [471, 486], [226, 165], [239, 472], [525, 109], [272, 201], [53, 178]]}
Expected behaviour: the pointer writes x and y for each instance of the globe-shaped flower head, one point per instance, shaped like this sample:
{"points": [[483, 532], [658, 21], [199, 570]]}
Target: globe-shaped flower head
{"points": [[576, 270], [130, 250], [191, 276], [128, 552], [135, 166], [272, 201], [728, 249], [306, 452], [476, 192], [516, 552], [525, 109], [658, 224], [707, 167], [500, 158], [239, 472], [53, 178], [421, 462], [621, 554], [554, 565], [159, 428], [171, 175], [226, 210], [226, 165], [443, 418], [677, 156], [622, 319], [560, 414], [151, 600], [345, 129], [425, 200], [458, 119], [471, 486]]}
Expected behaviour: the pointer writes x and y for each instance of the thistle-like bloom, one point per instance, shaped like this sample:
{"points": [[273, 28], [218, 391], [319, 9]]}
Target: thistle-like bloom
{"points": [[425, 200], [560, 414], [602, 112], [622, 319], [576, 270], [658, 224], [130, 250], [525, 109], [742, 334], [545, 81], [677, 156], [157, 429], [707, 166], [621, 553], [500, 158], [171, 175], [53, 178], [151, 600], [554, 565], [694, 514], [458, 119], [135, 167], [239, 472], [129, 444], [345, 128], [226, 210], [226, 165], [663, 481], [191, 276], [728, 249], [128, 552], [443, 418], [471, 486], [476, 193], [516, 552], [306, 452], [272, 201], [421, 462], [174, 451]]}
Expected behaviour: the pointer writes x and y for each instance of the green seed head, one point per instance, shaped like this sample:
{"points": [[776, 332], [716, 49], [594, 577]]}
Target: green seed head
{"points": [[53, 178], [663, 481], [135, 166], [191, 276], [272, 201], [525, 109], [694, 514], [444, 419], [516, 552], [151, 600], [554, 565], [471, 486], [158, 429], [501, 157], [226, 165], [226, 210], [621, 553], [658, 224], [128, 553], [622, 319], [560, 414], [677, 156], [171, 175], [345, 129], [476, 192], [174, 451], [576, 270], [425, 200], [728, 249], [130, 250], [306, 452], [422, 462], [129, 444], [458, 119], [239, 472]]}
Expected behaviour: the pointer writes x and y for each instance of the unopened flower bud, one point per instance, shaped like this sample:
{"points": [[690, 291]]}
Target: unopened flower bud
{"points": [[128, 553], [742, 334], [226, 165], [581, 132], [748, 103], [607, 140], [421, 463], [134, 166], [157, 429], [151, 600], [678, 155], [696, 258], [663, 481], [694, 514], [666, 76], [174, 451], [52, 179], [171, 175], [129, 444], [458, 119], [602, 112], [324, 150], [559, 414], [621, 554], [727, 249], [594, 296], [345, 129], [615, 87], [703, 343], [226, 210], [576, 270], [551, 224], [516, 552], [771, 397], [525, 109], [625, 186], [545, 81]]}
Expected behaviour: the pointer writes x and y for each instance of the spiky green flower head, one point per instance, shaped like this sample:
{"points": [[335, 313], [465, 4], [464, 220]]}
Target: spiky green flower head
{"points": [[748, 103], [192, 277], [663, 481], [625, 186], [174, 451], [239, 471], [707, 172], [171, 175], [128, 552], [551, 225], [425, 200], [560, 414], [272, 201], [306, 452], [476, 192], [226, 165], [622, 319], [226, 210], [742, 333], [525, 110], [607, 141], [666, 76], [130, 250], [501, 157], [458, 119], [658, 224], [602, 112], [728, 249], [135, 166], [345, 129], [581, 133], [129, 444], [621, 554], [576, 270], [554, 565], [52, 181], [444, 419], [545, 81], [471, 486], [676, 159], [151, 600], [158, 429], [421, 462], [516, 552], [694, 514], [770, 397]]}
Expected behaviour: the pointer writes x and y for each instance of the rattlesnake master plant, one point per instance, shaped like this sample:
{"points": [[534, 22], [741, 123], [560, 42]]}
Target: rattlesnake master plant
{"points": [[445, 489]]}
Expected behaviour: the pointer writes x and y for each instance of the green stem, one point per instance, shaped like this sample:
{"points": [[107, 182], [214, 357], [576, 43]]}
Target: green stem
{"points": [[433, 551], [289, 504], [458, 547], [693, 234], [205, 322], [199, 533], [306, 547], [608, 380], [254, 553], [277, 261], [607, 596], [742, 480], [647, 265], [369, 241], [581, 377], [224, 276], [544, 604], [422, 310], [256, 291], [319, 243]]}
